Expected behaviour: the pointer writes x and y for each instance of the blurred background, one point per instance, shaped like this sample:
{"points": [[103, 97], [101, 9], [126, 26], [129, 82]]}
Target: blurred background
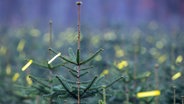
{"points": [[142, 39], [96, 14]]}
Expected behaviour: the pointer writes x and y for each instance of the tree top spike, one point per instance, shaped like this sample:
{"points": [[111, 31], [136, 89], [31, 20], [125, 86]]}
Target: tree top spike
{"points": [[79, 2]]}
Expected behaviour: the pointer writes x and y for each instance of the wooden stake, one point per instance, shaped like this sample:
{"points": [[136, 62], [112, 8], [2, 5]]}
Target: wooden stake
{"points": [[79, 3], [156, 81], [182, 99], [174, 94]]}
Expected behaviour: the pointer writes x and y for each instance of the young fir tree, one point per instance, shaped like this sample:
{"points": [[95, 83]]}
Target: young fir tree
{"points": [[77, 88]]}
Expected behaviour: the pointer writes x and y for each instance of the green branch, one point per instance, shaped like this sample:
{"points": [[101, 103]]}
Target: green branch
{"points": [[37, 80], [83, 74], [70, 69], [63, 57], [73, 74], [86, 68], [113, 82], [65, 87], [89, 85], [78, 56], [90, 58]]}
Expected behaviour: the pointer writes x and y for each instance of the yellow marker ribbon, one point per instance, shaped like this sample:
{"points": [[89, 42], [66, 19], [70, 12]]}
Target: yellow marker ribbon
{"points": [[179, 59], [8, 69], [105, 72], [27, 65], [56, 56], [148, 94], [15, 77], [176, 76], [29, 81], [122, 64], [21, 45]]}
